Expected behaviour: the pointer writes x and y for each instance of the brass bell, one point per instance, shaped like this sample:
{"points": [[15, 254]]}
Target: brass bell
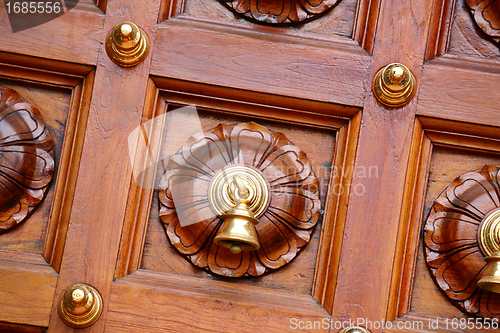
{"points": [[491, 277], [238, 230]]}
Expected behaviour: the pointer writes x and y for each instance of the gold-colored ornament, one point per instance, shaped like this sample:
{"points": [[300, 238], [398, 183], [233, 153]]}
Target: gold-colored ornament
{"points": [[80, 306], [127, 45], [238, 194], [489, 242], [394, 85], [354, 329]]}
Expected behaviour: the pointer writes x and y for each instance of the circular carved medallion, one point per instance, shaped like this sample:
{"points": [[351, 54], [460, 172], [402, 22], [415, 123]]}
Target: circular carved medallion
{"points": [[456, 240], [284, 228], [279, 11], [26, 162]]}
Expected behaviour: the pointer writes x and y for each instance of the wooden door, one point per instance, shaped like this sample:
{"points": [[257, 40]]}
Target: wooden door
{"points": [[379, 168]]}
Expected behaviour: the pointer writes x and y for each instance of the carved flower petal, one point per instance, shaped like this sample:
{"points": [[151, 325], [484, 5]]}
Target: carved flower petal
{"points": [[29, 166], [14, 205], [472, 304], [270, 12], [277, 243], [241, 6], [189, 239], [460, 282], [490, 304], [317, 6], [8, 97], [286, 165], [473, 192], [19, 122], [255, 268], [223, 262], [447, 231], [249, 142], [188, 191], [301, 208]]}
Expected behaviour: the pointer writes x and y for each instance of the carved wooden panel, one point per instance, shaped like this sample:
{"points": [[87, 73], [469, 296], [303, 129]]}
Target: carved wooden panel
{"points": [[280, 11], [26, 159], [453, 251], [283, 230]]}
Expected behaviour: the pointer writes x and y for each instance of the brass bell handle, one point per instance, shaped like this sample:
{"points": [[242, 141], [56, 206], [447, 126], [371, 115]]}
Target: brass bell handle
{"points": [[241, 192]]}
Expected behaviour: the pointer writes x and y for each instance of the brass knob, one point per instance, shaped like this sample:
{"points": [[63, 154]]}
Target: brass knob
{"points": [[127, 44], [80, 306], [354, 329], [394, 85]]}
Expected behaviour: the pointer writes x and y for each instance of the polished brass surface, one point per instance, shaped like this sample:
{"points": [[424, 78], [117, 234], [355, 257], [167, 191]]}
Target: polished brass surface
{"points": [[491, 276], [247, 191], [489, 233], [80, 306], [221, 190], [354, 329], [394, 85], [489, 242], [127, 44]]}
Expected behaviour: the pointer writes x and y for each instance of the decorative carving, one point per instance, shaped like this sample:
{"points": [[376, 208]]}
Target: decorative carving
{"points": [[454, 252], [283, 229], [279, 11], [486, 14], [26, 162]]}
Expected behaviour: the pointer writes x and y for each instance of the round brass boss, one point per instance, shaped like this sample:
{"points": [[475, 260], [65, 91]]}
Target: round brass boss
{"points": [[127, 44], [80, 306], [489, 233], [354, 329], [394, 85], [222, 187]]}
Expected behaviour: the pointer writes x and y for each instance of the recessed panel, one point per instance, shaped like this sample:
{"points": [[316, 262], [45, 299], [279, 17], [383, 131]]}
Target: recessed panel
{"points": [[446, 165], [53, 104], [296, 276]]}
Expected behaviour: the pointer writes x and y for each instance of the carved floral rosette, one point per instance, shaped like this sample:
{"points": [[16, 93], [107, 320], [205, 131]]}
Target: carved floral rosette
{"points": [[283, 229], [486, 14], [279, 11], [26, 161], [453, 251]]}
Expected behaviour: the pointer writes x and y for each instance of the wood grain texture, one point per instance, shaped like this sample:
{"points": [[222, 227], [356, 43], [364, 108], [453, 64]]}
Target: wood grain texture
{"points": [[444, 90], [28, 285], [369, 245], [365, 22], [144, 296], [330, 245], [260, 64], [115, 110], [60, 35], [26, 159], [440, 29]]}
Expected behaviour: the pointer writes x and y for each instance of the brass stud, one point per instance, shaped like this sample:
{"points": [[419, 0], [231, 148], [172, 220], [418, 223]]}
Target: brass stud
{"points": [[80, 306], [394, 85], [354, 329], [127, 45]]}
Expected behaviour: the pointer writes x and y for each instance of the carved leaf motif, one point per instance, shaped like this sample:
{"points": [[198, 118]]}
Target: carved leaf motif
{"points": [[280, 11], [26, 162], [453, 254], [283, 230], [486, 14]]}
